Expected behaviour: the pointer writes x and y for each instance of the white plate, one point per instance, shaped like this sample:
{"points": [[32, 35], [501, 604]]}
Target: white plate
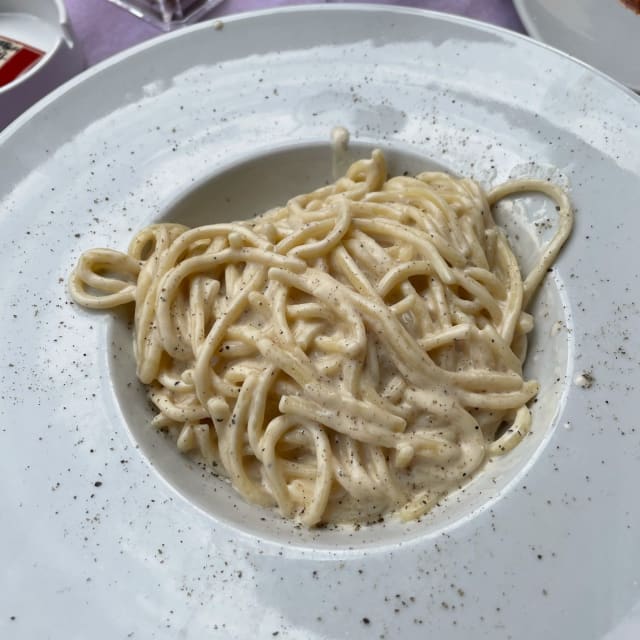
{"points": [[96, 541], [43, 24], [603, 33]]}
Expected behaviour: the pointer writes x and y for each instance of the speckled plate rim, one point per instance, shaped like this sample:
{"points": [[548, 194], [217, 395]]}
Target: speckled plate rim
{"points": [[347, 6]]}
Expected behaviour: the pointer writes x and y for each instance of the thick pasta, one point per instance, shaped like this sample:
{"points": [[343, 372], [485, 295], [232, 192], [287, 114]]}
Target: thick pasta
{"points": [[347, 356]]}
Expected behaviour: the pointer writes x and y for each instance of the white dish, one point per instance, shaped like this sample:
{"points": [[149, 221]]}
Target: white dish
{"points": [[102, 540], [45, 26], [604, 33]]}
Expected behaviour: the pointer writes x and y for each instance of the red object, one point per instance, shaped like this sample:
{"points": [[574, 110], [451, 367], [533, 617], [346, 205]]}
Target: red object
{"points": [[16, 58], [634, 5]]}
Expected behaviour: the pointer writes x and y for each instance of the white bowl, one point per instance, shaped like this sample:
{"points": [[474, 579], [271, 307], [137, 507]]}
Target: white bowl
{"points": [[42, 24], [604, 34], [104, 526]]}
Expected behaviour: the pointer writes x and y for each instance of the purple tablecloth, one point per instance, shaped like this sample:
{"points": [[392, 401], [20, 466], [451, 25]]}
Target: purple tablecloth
{"points": [[104, 29]]}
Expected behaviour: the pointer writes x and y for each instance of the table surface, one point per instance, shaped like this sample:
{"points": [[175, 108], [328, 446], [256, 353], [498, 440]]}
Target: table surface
{"points": [[103, 29]]}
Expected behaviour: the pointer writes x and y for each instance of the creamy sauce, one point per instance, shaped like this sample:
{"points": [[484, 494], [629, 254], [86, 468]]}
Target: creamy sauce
{"points": [[584, 380], [339, 151]]}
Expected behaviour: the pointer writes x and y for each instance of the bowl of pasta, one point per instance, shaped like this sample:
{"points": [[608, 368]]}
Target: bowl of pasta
{"points": [[323, 327], [310, 365]]}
